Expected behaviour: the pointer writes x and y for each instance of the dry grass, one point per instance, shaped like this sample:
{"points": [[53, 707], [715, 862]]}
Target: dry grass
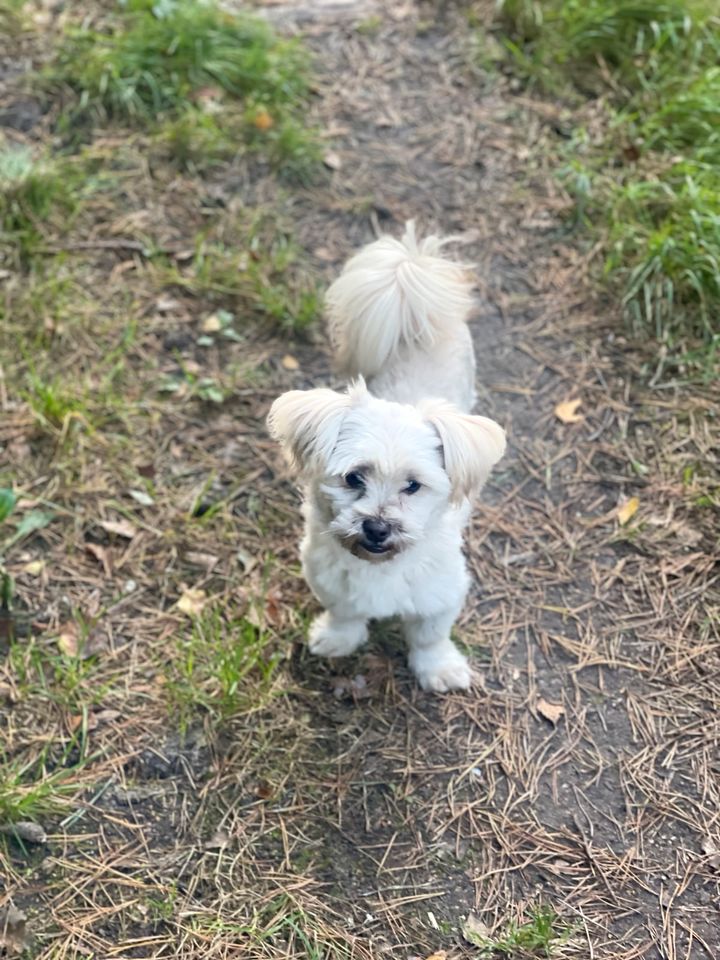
{"points": [[264, 806]]}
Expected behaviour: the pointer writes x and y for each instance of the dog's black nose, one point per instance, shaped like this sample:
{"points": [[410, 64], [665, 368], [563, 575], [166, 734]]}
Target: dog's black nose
{"points": [[376, 531]]}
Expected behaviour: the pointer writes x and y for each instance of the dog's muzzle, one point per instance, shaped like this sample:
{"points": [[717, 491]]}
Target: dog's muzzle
{"points": [[375, 543]]}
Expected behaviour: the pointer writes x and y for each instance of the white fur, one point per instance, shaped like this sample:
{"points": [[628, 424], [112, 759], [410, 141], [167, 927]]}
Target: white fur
{"points": [[398, 317]]}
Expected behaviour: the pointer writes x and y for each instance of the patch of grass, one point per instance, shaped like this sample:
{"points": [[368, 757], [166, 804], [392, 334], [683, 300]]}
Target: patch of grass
{"points": [[648, 181], [31, 190], [255, 269], [226, 665], [285, 922], [191, 64], [53, 403], [29, 792], [537, 937]]}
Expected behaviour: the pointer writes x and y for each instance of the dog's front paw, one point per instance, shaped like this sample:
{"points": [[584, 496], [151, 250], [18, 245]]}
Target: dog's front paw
{"points": [[441, 668], [336, 638]]}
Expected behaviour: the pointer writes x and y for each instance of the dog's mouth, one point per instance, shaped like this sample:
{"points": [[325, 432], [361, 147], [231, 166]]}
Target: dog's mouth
{"points": [[366, 550]]}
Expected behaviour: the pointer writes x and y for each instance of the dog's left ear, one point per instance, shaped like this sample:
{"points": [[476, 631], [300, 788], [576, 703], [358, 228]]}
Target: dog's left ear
{"points": [[471, 445], [307, 424]]}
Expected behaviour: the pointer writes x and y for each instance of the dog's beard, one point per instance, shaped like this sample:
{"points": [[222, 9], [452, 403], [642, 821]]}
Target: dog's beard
{"points": [[347, 528]]}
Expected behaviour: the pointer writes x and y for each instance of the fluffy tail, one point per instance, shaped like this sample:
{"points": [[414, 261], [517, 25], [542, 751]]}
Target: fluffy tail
{"points": [[395, 293]]}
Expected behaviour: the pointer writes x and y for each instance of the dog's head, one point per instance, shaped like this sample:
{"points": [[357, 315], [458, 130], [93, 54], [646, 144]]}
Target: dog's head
{"points": [[383, 473]]}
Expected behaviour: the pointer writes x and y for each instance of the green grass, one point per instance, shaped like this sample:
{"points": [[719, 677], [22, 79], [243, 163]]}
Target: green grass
{"points": [[282, 923], [648, 185], [32, 190], [536, 938], [255, 269], [218, 80], [30, 792], [224, 666]]}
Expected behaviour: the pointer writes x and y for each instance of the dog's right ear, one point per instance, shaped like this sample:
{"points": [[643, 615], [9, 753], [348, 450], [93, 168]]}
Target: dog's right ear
{"points": [[307, 424]]}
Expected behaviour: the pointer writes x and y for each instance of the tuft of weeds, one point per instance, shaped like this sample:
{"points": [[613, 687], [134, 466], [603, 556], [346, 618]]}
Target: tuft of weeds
{"points": [[256, 269], [281, 921], [31, 189], [648, 185], [226, 665], [26, 794], [191, 63], [537, 937]]}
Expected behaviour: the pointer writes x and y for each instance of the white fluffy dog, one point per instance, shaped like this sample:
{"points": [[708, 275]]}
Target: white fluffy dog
{"points": [[389, 468]]}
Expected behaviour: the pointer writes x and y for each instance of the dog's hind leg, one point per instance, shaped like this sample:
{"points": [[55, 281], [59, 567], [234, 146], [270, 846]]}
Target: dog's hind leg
{"points": [[333, 636], [434, 659]]}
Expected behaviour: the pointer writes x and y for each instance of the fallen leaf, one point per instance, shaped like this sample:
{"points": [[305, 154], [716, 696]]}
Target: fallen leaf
{"points": [[273, 606], [207, 560], [67, 641], [24, 830], [192, 602], [357, 687], [211, 324], [439, 955], [121, 528], [332, 160], [13, 929], [246, 559], [103, 555], [107, 716], [262, 120], [289, 362], [550, 711], [567, 411], [474, 930], [96, 642], [35, 520], [139, 496], [711, 849], [34, 568], [7, 502], [627, 510], [322, 253], [167, 304], [217, 841]]}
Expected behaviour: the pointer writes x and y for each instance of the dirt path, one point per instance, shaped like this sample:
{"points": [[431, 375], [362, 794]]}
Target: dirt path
{"points": [[353, 815]]}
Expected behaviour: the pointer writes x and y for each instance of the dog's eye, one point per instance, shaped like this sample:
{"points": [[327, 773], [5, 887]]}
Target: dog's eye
{"points": [[355, 481], [412, 487]]}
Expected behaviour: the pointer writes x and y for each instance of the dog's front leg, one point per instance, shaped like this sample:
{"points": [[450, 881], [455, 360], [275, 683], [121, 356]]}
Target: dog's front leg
{"points": [[434, 659], [332, 635]]}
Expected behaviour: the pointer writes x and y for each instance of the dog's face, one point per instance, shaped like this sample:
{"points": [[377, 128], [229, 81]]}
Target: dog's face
{"points": [[383, 473], [384, 483]]}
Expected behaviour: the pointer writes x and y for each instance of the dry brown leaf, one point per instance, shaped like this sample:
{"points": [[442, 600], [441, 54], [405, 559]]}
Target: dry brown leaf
{"points": [[121, 528], [356, 687], [192, 602], [711, 849], [567, 411], [68, 640], [332, 160], [627, 510], [439, 955], [550, 711], [207, 560], [263, 120], [474, 930], [103, 555], [289, 362], [13, 930], [211, 324]]}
